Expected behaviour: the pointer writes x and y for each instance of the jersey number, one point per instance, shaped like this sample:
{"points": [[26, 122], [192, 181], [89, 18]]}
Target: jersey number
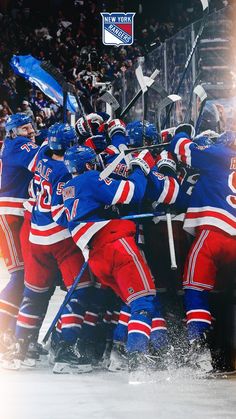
{"points": [[44, 198], [72, 214]]}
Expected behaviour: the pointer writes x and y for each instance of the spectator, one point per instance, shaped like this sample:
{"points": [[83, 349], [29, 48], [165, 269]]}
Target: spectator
{"points": [[27, 109]]}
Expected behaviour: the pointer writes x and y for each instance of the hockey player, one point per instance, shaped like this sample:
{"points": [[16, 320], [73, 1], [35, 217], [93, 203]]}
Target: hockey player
{"points": [[211, 216], [112, 241], [159, 189], [17, 160], [51, 247]]}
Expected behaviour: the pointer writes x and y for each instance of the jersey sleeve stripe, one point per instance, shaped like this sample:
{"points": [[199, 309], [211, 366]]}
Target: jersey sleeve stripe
{"points": [[84, 232], [124, 193], [57, 211], [183, 151]]}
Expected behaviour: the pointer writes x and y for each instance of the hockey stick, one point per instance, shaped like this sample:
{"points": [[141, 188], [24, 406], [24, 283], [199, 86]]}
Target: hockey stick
{"points": [[173, 263], [201, 93], [139, 93], [111, 167], [142, 84], [205, 6], [66, 300], [167, 101]]}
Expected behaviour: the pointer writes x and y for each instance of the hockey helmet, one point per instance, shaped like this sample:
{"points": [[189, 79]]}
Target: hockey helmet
{"points": [[76, 157], [15, 121], [137, 132], [61, 136]]}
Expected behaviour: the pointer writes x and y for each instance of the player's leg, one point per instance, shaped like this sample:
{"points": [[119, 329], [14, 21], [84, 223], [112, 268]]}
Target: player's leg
{"points": [[11, 295], [39, 277], [67, 357], [199, 279]]}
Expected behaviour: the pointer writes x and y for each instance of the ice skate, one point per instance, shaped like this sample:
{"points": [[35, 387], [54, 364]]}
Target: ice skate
{"points": [[140, 367], [200, 358], [118, 358], [35, 350], [69, 361], [7, 342], [16, 357], [162, 358]]}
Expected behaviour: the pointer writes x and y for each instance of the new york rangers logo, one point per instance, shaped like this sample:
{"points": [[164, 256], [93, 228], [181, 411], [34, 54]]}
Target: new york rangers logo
{"points": [[117, 28]]}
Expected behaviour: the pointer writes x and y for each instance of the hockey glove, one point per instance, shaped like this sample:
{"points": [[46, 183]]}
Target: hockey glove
{"points": [[96, 142], [167, 134], [166, 164], [187, 128], [93, 122], [116, 126], [144, 161]]}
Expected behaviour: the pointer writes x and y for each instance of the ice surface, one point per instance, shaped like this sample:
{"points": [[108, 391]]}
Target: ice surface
{"points": [[38, 394]]}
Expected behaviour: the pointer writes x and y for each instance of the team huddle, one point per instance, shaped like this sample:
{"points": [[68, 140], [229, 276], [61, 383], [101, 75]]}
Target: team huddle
{"points": [[67, 202]]}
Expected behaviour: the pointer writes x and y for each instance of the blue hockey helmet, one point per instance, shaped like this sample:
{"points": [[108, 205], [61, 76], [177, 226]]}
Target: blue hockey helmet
{"points": [[137, 132], [16, 120], [76, 157], [61, 136]]}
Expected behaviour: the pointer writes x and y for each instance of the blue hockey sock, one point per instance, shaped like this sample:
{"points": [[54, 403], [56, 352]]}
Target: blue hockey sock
{"points": [[197, 312], [139, 326], [10, 299]]}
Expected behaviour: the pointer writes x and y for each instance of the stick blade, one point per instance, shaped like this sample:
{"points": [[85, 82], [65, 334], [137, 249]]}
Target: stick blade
{"points": [[205, 4], [168, 101], [140, 78], [111, 100], [159, 89]]}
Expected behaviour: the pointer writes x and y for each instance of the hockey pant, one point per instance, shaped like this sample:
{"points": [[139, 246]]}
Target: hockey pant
{"points": [[40, 275], [210, 251], [116, 260]]}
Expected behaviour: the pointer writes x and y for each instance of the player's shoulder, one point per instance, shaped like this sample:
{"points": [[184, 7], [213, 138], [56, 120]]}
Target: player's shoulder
{"points": [[85, 181], [58, 170]]}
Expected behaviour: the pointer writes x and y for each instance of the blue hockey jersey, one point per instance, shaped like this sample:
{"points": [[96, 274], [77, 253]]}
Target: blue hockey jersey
{"points": [[213, 200], [49, 221], [17, 161], [87, 198]]}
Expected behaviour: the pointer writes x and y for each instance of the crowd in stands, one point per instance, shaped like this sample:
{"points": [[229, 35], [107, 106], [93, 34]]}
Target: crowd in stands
{"points": [[68, 34]]}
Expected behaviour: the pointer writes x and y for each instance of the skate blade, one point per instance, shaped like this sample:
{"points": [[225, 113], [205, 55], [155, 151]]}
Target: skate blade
{"points": [[29, 362], [117, 368], [63, 368]]}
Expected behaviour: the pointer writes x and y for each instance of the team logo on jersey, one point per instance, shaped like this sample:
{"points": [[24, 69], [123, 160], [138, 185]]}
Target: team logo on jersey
{"points": [[118, 28]]}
